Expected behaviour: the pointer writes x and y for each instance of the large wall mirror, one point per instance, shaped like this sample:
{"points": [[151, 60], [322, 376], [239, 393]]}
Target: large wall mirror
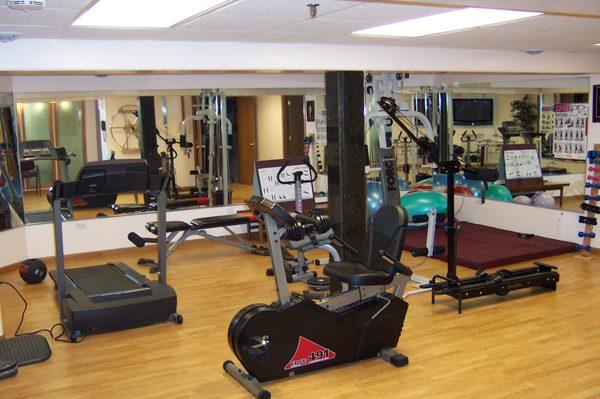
{"points": [[11, 204], [57, 135], [532, 129]]}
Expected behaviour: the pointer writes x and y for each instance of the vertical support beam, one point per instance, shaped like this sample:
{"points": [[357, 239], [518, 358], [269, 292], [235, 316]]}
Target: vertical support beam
{"points": [[344, 99], [59, 254], [147, 127], [444, 135]]}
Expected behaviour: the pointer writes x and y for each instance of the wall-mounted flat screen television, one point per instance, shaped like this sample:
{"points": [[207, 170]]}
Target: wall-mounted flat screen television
{"points": [[473, 111]]}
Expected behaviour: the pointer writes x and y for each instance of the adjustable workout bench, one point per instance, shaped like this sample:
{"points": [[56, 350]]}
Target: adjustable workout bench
{"points": [[199, 227]]}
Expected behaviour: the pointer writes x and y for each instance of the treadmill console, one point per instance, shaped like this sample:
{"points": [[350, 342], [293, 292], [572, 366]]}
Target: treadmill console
{"points": [[112, 177], [37, 149]]}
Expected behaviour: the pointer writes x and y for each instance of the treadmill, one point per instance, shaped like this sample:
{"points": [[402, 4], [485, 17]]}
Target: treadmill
{"points": [[112, 296]]}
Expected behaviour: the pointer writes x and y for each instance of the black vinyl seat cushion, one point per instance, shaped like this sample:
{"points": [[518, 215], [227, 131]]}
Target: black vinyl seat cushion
{"points": [[175, 225], [220, 221], [356, 274]]}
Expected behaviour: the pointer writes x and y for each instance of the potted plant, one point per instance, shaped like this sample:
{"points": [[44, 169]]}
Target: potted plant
{"points": [[525, 113]]}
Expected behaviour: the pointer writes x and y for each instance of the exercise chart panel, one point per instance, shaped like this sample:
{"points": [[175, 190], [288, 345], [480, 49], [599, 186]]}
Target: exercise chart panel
{"points": [[522, 164], [271, 189]]}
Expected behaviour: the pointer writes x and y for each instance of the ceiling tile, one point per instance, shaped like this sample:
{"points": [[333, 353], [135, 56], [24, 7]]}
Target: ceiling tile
{"points": [[293, 9], [203, 35], [324, 26], [574, 6], [380, 13], [239, 23], [79, 4]]}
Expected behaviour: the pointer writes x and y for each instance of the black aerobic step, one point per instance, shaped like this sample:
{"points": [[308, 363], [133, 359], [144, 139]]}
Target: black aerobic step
{"points": [[25, 349]]}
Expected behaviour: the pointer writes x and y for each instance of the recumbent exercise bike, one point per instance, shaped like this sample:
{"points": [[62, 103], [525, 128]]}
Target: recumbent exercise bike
{"points": [[297, 334]]}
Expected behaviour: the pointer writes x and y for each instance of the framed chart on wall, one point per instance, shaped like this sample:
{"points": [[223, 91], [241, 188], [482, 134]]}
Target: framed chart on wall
{"points": [[596, 104]]}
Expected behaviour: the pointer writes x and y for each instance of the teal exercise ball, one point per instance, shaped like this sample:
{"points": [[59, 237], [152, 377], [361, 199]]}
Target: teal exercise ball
{"points": [[440, 179], [476, 187], [498, 192], [374, 198], [420, 202]]}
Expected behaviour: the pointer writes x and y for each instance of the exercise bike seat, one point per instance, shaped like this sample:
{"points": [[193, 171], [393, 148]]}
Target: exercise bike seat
{"points": [[356, 274], [385, 236], [219, 221], [172, 226]]}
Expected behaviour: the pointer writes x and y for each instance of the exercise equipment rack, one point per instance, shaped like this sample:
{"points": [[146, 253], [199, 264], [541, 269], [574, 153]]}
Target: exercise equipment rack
{"points": [[591, 207]]}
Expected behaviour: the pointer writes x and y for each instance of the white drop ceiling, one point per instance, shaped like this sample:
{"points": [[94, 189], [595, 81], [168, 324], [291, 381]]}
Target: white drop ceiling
{"points": [[288, 21]]}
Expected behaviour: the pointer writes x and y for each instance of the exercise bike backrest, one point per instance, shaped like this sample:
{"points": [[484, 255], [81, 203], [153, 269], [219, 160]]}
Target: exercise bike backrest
{"points": [[297, 181], [385, 239]]}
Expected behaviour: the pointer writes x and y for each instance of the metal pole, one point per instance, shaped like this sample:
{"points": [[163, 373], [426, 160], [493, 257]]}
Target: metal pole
{"points": [[211, 145], [451, 228], [59, 253], [162, 231], [224, 148], [277, 260]]}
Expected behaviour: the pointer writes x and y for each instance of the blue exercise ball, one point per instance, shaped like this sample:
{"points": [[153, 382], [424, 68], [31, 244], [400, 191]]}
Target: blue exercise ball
{"points": [[498, 192], [476, 187], [419, 203], [374, 198], [440, 179]]}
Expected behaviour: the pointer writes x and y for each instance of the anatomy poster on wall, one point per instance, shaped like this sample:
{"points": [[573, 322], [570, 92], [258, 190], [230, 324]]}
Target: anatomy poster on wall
{"points": [[570, 131], [522, 164]]}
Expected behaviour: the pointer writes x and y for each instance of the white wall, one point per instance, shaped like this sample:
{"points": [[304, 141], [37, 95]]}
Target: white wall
{"points": [[550, 223], [13, 244], [6, 83], [82, 235], [124, 84], [269, 127], [91, 131], [152, 55]]}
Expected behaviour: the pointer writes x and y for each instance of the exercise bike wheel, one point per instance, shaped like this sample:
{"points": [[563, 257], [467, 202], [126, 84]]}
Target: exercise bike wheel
{"points": [[265, 340], [234, 322]]}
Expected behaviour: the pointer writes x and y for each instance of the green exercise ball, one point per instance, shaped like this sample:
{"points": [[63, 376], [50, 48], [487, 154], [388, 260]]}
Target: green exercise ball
{"points": [[498, 192], [419, 203]]}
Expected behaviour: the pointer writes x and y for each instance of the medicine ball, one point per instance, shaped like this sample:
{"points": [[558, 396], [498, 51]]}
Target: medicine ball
{"points": [[33, 271]]}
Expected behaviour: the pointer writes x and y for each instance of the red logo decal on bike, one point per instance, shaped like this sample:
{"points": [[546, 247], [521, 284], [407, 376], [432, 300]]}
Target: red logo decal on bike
{"points": [[308, 352]]}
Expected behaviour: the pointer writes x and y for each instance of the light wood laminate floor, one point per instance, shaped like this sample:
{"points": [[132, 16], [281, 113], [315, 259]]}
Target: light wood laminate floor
{"points": [[528, 344]]}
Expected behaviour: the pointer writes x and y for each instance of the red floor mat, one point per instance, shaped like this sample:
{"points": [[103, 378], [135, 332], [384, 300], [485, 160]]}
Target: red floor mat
{"points": [[484, 247]]}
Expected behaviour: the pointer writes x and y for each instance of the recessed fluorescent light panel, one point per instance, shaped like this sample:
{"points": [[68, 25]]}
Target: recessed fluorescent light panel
{"points": [[597, 44], [447, 22], [144, 13]]}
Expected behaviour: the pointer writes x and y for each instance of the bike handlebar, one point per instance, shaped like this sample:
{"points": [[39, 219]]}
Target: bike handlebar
{"points": [[312, 171]]}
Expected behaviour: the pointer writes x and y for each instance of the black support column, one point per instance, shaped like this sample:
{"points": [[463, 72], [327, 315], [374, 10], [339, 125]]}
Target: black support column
{"points": [[344, 100], [147, 128]]}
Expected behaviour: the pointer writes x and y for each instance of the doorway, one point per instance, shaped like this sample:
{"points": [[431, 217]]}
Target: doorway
{"points": [[293, 126], [246, 138]]}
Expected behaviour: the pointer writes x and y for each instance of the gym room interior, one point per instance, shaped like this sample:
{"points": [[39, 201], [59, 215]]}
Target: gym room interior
{"points": [[291, 198]]}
